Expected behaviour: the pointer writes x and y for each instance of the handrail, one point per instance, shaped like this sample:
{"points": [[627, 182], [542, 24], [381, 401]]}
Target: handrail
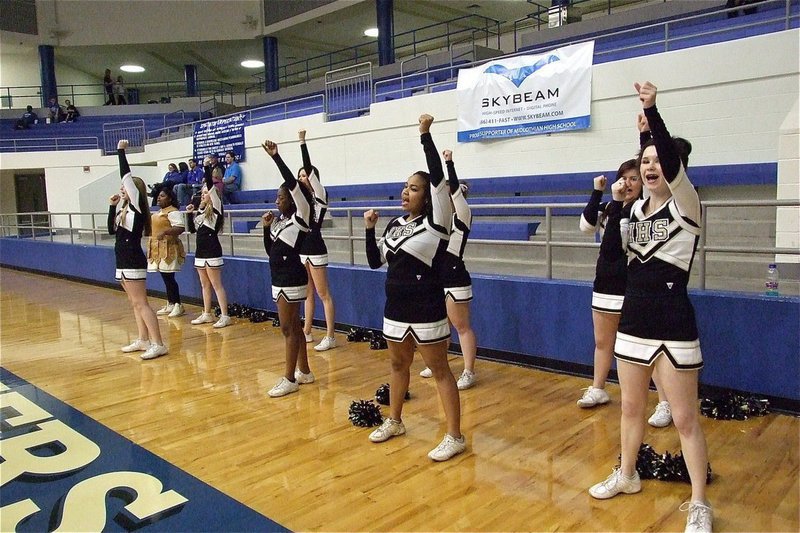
{"points": [[18, 225], [49, 143]]}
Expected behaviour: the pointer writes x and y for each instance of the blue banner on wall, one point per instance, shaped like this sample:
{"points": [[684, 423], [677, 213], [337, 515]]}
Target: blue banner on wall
{"points": [[219, 136], [63, 471]]}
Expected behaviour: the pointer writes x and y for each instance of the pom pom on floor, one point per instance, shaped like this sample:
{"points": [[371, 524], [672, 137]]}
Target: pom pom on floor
{"points": [[373, 337], [382, 394], [365, 414], [734, 406], [664, 467]]}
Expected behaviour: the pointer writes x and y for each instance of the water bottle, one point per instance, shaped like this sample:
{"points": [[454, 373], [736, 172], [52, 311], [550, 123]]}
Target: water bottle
{"points": [[772, 280]]}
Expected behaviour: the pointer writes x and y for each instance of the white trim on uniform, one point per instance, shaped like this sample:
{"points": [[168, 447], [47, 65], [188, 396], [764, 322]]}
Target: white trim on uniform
{"points": [[607, 303], [212, 262], [684, 355], [458, 294], [290, 294], [130, 274], [316, 261], [427, 333]]}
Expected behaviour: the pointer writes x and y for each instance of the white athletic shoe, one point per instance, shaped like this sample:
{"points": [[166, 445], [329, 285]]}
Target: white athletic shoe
{"points": [[390, 428], [700, 517], [303, 379], [466, 380], [167, 309], [309, 337], [616, 483], [426, 373], [136, 346], [326, 344], [177, 310], [283, 387], [593, 396], [205, 318], [449, 447], [224, 320], [155, 350], [662, 416]]}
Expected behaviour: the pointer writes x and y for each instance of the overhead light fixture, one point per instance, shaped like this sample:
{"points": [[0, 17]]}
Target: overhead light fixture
{"points": [[371, 32], [131, 68], [252, 63]]}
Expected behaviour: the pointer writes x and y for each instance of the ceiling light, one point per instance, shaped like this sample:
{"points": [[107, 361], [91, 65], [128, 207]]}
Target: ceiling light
{"points": [[371, 32], [252, 63], [131, 68]]}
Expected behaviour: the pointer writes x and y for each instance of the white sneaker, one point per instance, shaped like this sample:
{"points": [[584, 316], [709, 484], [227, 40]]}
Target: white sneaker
{"points": [[449, 447], [224, 320], [616, 483], [466, 380], [309, 337], [155, 350], [593, 396], [283, 387], [136, 346], [700, 517], [204, 318], [167, 309], [390, 428], [177, 310], [303, 379], [662, 416], [426, 373], [326, 344]]}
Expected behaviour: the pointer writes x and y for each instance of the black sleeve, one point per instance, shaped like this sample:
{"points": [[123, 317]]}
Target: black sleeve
{"points": [[434, 161], [287, 175], [207, 172], [267, 240], [124, 168], [373, 254], [667, 154], [452, 177], [611, 245], [190, 223], [644, 136], [112, 215], [306, 158], [593, 207]]}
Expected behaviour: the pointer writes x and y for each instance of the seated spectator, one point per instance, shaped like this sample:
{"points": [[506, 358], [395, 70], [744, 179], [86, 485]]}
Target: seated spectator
{"points": [[56, 112], [194, 182], [72, 112], [232, 180], [28, 119], [171, 179]]}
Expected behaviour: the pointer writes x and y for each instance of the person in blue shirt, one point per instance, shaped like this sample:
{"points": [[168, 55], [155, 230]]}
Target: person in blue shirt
{"points": [[172, 178], [29, 118], [232, 180], [194, 182]]}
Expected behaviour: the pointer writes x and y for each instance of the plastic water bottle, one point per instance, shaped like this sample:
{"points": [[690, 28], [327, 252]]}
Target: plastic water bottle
{"points": [[772, 280]]}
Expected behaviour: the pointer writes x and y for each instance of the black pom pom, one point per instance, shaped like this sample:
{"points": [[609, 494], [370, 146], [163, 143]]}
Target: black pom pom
{"points": [[276, 323], [216, 311], [365, 413], [358, 335], [258, 315], [382, 394], [734, 406], [666, 467], [378, 342]]}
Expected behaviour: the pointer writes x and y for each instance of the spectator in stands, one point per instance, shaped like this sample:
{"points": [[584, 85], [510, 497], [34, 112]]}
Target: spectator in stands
{"points": [[283, 236], [55, 111], [165, 253], [108, 85], [314, 252], [72, 112], [172, 178], [28, 119], [119, 91], [657, 326], [214, 170], [183, 168], [194, 182], [737, 3], [232, 179], [415, 313], [455, 277]]}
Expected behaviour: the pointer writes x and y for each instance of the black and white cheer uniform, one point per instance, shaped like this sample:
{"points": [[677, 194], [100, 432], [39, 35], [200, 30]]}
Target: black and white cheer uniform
{"points": [[455, 277], [282, 241], [313, 249], [657, 315], [126, 222], [611, 271], [208, 223], [415, 302]]}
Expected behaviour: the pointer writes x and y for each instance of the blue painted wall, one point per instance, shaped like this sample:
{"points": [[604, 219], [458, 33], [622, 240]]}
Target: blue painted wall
{"points": [[750, 342]]}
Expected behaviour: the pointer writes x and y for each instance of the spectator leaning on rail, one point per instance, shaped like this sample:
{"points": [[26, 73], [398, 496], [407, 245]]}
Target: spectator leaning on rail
{"points": [[29, 118], [232, 180]]}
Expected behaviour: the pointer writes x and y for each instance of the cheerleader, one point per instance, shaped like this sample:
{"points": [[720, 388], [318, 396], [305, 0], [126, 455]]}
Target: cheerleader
{"points": [[657, 326], [415, 312], [313, 252], [128, 220], [454, 275], [165, 253], [207, 221], [283, 238]]}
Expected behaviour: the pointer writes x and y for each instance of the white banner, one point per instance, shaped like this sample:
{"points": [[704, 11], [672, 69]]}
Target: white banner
{"points": [[526, 95]]}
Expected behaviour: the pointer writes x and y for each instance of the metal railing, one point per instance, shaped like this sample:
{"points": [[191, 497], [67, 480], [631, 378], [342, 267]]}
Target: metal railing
{"points": [[66, 227], [348, 91], [48, 144]]}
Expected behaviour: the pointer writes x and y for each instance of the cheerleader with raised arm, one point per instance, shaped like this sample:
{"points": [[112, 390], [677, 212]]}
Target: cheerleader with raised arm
{"points": [[207, 221], [455, 277], [657, 326], [313, 252], [128, 220], [283, 238], [165, 253], [415, 314]]}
